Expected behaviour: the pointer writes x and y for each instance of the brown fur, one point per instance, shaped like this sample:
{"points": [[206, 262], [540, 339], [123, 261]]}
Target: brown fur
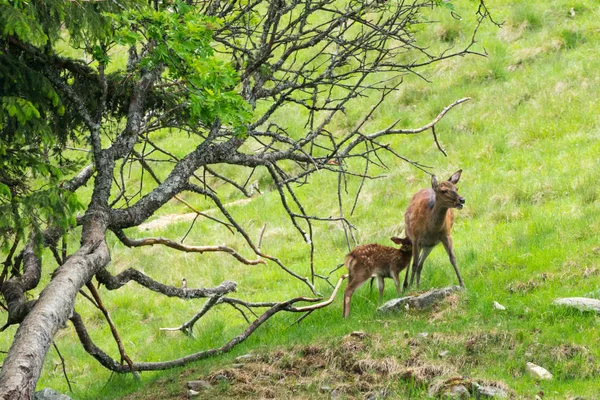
{"points": [[374, 259], [428, 222]]}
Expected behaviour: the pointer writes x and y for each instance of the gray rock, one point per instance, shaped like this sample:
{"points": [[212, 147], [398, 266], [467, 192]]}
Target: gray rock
{"points": [[50, 394], [488, 392], [443, 353], [423, 301], [456, 392], [580, 303], [538, 372], [498, 306], [198, 385], [222, 378], [245, 357], [192, 393]]}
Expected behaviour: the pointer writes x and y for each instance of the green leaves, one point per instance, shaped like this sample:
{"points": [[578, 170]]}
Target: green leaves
{"points": [[180, 40], [445, 4]]}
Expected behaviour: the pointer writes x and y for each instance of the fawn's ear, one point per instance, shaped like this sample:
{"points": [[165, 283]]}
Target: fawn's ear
{"points": [[434, 183], [402, 241], [455, 178]]}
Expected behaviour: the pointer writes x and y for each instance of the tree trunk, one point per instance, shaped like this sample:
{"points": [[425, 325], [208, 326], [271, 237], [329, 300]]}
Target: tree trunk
{"points": [[23, 364]]}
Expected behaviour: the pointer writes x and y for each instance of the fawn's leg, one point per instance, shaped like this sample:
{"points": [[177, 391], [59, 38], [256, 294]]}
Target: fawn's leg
{"points": [[396, 278], [352, 286], [380, 286]]}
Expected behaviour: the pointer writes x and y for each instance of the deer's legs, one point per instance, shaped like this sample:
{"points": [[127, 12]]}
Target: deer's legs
{"points": [[448, 246], [415, 259], [424, 255]]}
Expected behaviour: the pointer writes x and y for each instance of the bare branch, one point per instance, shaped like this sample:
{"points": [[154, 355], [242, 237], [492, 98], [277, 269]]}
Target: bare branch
{"points": [[115, 282], [181, 247]]}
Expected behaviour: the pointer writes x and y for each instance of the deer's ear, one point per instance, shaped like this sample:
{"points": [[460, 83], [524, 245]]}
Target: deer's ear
{"points": [[397, 240], [434, 183], [456, 177]]}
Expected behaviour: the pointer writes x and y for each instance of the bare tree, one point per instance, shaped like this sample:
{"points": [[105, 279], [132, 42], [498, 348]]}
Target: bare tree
{"points": [[318, 56]]}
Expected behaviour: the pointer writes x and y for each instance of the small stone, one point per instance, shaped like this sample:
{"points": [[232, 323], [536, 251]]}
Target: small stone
{"points": [[499, 306], [443, 353], [237, 365], [422, 335], [538, 372], [325, 389], [221, 378], [198, 385], [336, 394], [245, 357], [488, 392], [192, 393]]}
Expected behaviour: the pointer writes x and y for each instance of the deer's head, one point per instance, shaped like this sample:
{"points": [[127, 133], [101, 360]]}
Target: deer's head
{"points": [[446, 192]]}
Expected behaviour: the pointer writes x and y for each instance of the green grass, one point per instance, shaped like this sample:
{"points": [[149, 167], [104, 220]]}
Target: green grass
{"points": [[528, 143]]}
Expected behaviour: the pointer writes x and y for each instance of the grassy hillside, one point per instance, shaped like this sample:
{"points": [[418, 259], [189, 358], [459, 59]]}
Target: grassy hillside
{"points": [[529, 146]]}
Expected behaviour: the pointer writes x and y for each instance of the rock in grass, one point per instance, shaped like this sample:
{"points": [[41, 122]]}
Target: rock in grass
{"points": [[487, 392], [245, 358], [498, 306], [198, 385], [538, 372], [423, 301], [50, 394], [580, 303], [456, 392]]}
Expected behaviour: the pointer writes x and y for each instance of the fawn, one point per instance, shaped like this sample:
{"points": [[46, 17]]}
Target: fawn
{"points": [[428, 221], [374, 259]]}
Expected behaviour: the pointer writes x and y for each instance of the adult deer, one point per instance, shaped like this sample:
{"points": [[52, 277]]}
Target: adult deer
{"points": [[374, 259], [428, 221]]}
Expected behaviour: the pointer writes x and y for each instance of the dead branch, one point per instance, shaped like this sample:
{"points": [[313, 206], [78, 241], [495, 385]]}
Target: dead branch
{"points": [[115, 282], [113, 328], [181, 247], [63, 365], [188, 327], [112, 365]]}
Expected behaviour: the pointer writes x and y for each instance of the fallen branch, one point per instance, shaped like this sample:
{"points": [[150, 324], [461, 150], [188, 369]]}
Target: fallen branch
{"points": [[274, 308], [115, 282], [188, 327]]}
